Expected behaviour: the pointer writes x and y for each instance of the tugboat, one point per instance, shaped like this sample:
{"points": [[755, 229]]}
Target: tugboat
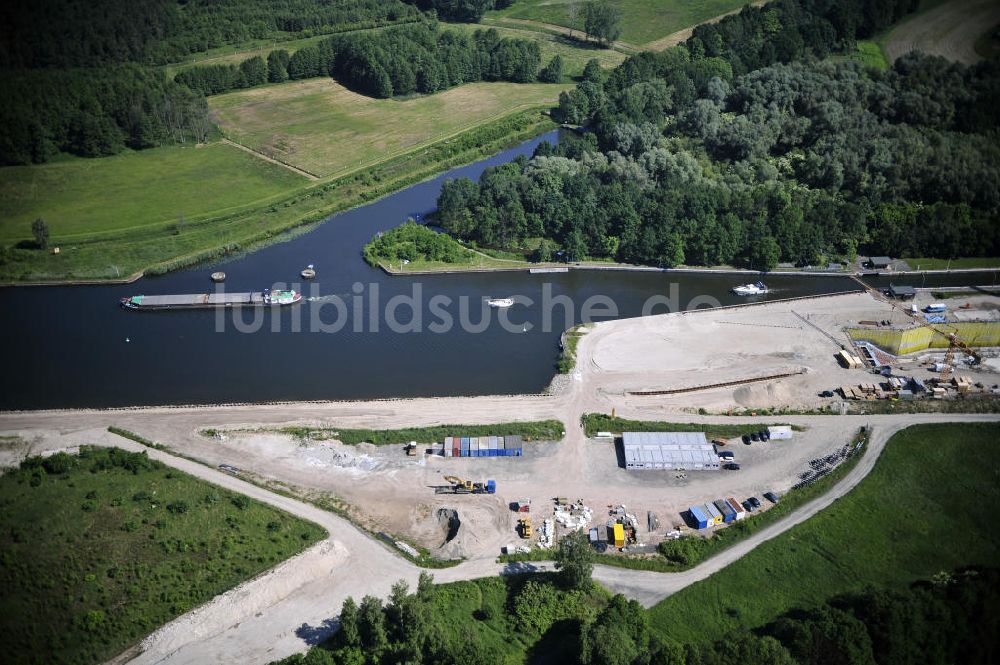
{"points": [[755, 289]]}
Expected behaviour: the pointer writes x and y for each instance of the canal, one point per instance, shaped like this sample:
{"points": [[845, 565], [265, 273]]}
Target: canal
{"points": [[359, 334]]}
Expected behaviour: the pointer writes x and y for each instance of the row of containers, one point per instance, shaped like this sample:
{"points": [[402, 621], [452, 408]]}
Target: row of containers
{"points": [[717, 512], [483, 446], [601, 536]]}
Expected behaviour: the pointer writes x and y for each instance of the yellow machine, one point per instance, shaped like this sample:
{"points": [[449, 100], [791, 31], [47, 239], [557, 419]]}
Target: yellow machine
{"points": [[524, 525], [460, 486]]}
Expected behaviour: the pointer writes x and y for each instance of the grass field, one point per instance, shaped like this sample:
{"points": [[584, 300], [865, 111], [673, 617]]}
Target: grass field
{"points": [[157, 248], [918, 513], [310, 123], [867, 53], [954, 264], [574, 54], [99, 550], [642, 21], [80, 197]]}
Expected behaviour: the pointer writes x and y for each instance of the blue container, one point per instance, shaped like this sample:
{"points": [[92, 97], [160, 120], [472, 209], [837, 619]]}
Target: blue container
{"points": [[700, 518], [728, 514]]}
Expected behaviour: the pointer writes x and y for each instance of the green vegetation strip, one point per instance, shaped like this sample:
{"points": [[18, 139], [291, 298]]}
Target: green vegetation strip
{"points": [[540, 430], [570, 340], [599, 422], [919, 512], [970, 293], [132, 436], [98, 550]]}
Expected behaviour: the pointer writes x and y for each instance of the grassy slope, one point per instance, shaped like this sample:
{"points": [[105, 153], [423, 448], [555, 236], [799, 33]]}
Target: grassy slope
{"points": [[919, 512], [642, 21], [79, 196], [308, 123], [61, 561]]}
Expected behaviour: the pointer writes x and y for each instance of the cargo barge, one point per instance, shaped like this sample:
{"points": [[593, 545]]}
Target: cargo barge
{"points": [[203, 300]]}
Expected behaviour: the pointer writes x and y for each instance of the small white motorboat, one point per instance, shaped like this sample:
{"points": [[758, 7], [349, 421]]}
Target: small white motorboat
{"points": [[309, 272], [500, 302], [755, 289]]}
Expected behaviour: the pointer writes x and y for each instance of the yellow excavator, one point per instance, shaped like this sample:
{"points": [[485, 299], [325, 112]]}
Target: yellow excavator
{"points": [[524, 525], [461, 486]]}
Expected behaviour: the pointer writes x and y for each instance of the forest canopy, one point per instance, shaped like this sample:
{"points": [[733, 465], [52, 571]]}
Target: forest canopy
{"points": [[419, 58], [744, 146]]}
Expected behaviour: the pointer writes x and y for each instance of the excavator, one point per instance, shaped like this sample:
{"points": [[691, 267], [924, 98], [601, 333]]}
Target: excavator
{"points": [[459, 486]]}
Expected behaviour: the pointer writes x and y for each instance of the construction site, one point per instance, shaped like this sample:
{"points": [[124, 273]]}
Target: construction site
{"points": [[693, 372]]}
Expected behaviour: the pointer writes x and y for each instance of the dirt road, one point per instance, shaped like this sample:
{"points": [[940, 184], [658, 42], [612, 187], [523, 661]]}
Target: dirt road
{"points": [[949, 30]]}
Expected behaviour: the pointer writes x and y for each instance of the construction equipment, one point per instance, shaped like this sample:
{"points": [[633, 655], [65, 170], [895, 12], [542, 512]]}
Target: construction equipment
{"points": [[954, 345], [460, 486], [524, 526], [411, 449]]}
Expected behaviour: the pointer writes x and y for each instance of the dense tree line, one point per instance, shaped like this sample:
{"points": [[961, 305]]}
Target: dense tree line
{"points": [[725, 154], [71, 33], [94, 112], [460, 11], [399, 61], [937, 622]]}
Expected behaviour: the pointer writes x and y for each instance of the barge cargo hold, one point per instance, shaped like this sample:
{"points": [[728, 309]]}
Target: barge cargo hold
{"points": [[203, 300]]}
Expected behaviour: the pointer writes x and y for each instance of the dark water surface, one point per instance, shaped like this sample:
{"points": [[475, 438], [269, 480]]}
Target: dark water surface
{"points": [[66, 346]]}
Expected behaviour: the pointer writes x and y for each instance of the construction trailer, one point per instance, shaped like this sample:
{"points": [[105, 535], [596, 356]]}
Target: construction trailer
{"points": [[701, 519], [741, 512], [780, 432], [728, 514], [669, 450], [714, 513]]}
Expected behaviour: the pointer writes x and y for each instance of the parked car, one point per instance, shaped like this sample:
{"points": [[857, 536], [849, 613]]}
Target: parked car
{"points": [[764, 435], [754, 436], [771, 496], [749, 507], [754, 501], [746, 439], [727, 456], [731, 466], [719, 442], [826, 393]]}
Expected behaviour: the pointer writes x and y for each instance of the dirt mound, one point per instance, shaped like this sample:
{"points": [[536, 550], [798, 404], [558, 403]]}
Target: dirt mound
{"points": [[450, 523]]}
